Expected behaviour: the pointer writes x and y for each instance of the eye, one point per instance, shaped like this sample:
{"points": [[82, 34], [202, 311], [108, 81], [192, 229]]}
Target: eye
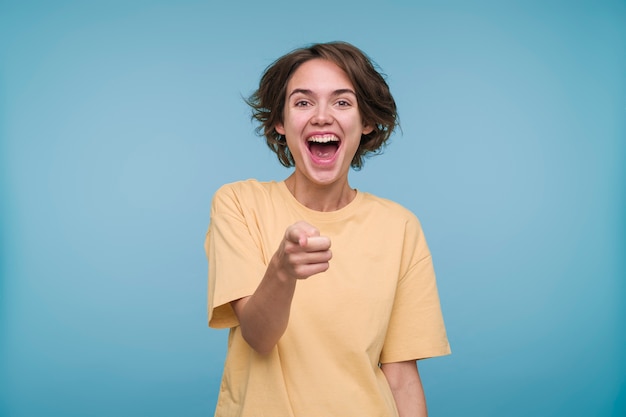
{"points": [[343, 103], [301, 103]]}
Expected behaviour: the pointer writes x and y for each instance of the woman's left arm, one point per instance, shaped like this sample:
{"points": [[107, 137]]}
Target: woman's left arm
{"points": [[406, 387]]}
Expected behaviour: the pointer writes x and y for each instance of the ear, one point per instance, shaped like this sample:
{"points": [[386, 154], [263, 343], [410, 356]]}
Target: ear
{"points": [[280, 128], [367, 129]]}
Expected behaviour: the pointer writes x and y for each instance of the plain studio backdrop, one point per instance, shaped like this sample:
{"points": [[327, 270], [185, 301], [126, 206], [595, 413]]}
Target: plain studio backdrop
{"points": [[119, 120]]}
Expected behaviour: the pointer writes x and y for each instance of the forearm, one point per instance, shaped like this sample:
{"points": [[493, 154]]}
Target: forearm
{"points": [[264, 315], [406, 387]]}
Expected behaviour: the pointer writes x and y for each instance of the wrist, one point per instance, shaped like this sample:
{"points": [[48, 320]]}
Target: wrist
{"points": [[279, 274]]}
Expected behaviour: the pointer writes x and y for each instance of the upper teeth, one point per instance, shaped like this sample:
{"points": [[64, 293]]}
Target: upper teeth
{"points": [[323, 138]]}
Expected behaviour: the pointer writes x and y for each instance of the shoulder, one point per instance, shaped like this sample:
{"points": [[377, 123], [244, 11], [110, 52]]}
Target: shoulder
{"points": [[389, 208], [394, 217], [398, 224], [240, 194], [249, 186], [244, 189]]}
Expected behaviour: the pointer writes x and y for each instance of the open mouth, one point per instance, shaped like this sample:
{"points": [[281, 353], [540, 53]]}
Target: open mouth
{"points": [[323, 147]]}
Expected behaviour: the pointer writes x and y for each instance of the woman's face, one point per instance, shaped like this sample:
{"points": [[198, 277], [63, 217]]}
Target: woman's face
{"points": [[322, 122]]}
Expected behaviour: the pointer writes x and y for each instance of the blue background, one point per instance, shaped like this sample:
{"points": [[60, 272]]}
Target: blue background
{"points": [[119, 120]]}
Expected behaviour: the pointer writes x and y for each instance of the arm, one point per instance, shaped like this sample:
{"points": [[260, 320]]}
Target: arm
{"points": [[406, 387], [264, 315]]}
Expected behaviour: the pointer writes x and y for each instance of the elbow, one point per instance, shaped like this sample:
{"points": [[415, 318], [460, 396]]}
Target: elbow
{"points": [[263, 351], [259, 332], [260, 346]]}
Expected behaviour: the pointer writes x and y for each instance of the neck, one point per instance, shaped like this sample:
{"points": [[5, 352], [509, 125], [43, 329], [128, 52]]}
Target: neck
{"points": [[329, 197]]}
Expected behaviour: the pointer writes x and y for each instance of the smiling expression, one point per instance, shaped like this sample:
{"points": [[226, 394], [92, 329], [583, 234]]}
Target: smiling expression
{"points": [[321, 122]]}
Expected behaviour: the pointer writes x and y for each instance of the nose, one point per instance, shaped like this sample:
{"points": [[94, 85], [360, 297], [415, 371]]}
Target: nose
{"points": [[322, 115]]}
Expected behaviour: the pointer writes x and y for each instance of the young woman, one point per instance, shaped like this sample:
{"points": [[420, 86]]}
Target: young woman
{"points": [[329, 292]]}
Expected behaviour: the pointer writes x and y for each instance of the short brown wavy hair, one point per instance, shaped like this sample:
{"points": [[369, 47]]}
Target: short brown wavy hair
{"points": [[376, 104]]}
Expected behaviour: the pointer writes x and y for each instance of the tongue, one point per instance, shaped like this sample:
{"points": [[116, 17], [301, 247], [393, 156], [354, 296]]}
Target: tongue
{"points": [[323, 150]]}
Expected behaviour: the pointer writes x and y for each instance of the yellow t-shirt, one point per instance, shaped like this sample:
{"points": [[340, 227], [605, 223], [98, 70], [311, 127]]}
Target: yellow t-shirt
{"points": [[377, 303]]}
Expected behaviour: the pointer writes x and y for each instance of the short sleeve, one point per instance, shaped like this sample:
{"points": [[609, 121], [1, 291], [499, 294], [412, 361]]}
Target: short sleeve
{"points": [[236, 264], [416, 327]]}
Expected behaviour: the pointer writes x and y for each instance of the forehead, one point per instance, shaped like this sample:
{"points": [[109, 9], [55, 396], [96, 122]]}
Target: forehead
{"points": [[319, 75]]}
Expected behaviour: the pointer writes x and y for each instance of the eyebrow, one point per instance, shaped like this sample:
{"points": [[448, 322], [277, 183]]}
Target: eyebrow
{"points": [[310, 93]]}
